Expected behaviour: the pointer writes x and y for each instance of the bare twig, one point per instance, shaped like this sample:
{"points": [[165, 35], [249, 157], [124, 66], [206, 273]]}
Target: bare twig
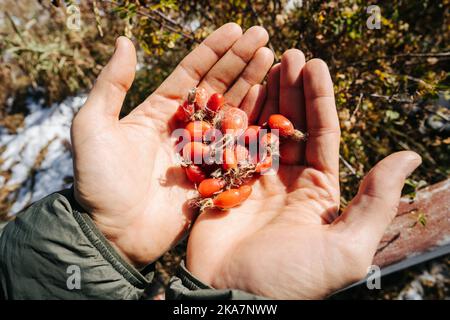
{"points": [[424, 152], [261, 23], [424, 54], [97, 18], [348, 165], [400, 55], [361, 95], [16, 29], [169, 24], [392, 98]]}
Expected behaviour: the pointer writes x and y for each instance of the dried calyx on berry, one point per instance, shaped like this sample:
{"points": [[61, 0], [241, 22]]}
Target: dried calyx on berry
{"points": [[285, 127]]}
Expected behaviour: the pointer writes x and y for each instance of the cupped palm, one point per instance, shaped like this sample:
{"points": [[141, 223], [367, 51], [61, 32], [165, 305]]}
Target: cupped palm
{"points": [[126, 175], [286, 240]]}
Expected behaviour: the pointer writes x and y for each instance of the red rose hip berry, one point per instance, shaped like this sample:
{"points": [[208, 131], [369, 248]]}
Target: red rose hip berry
{"points": [[215, 102], [234, 121], [285, 127], [209, 187], [184, 112], [197, 130], [232, 197], [195, 173]]}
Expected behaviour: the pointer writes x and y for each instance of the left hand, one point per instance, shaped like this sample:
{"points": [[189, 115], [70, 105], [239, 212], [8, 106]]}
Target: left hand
{"points": [[126, 175]]}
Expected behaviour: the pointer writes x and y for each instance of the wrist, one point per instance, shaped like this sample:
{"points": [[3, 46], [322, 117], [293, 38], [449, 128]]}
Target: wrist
{"points": [[115, 237], [127, 244], [137, 262], [215, 275]]}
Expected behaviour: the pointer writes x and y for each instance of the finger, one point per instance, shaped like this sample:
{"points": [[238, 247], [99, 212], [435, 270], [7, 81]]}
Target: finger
{"points": [[197, 63], [227, 69], [322, 147], [292, 102], [107, 95], [376, 203], [273, 94], [254, 73], [253, 102]]}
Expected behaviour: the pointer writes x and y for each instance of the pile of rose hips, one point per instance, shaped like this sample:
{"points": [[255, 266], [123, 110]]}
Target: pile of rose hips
{"points": [[220, 152]]}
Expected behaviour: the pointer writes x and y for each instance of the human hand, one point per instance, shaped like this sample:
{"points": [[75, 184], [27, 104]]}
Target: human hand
{"points": [[125, 170], [286, 240]]}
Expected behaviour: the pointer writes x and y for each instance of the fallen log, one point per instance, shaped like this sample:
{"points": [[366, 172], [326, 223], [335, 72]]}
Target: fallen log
{"points": [[419, 232], [421, 226]]}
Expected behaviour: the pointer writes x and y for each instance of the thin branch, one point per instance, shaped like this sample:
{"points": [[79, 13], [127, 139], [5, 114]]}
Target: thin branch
{"points": [[261, 23], [424, 54], [348, 165], [414, 79], [167, 26], [168, 19], [16, 29], [97, 18], [400, 55], [392, 98], [170, 24], [188, 34], [361, 95]]}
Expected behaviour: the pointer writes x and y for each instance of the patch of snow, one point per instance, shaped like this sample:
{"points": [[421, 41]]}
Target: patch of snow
{"points": [[293, 4], [434, 276], [194, 25], [414, 291], [43, 128]]}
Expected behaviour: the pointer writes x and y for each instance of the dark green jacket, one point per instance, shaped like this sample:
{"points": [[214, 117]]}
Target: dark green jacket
{"points": [[52, 250]]}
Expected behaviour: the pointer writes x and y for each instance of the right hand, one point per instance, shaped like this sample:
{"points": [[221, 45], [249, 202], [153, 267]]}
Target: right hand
{"points": [[286, 240]]}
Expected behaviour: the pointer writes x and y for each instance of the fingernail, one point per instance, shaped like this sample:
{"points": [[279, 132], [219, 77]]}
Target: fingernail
{"points": [[414, 160]]}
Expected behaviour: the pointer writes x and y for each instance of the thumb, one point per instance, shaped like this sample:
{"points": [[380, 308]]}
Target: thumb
{"points": [[106, 97], [376, 204]]}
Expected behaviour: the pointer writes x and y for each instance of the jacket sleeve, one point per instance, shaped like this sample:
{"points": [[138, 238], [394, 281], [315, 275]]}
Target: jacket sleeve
{"points": [[52, 250], [184, 286]]}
